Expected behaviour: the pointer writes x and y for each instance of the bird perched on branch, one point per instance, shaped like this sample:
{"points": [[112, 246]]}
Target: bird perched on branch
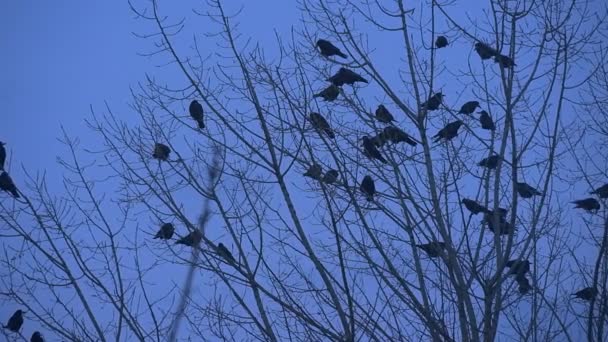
{"points": [[329, 94], [433, 102], [165, 232], [504, 61], [370, 149], [321, 125], [504, 227], [383, 115], [15, 322], [7, 184], [588, 293], [518, 267], [524, 284], [330, 176], [602, 191], [190, 240], [196, 112], [346, 76], [328, 49], [368, 188], [474, 207], [161, 151], [396, 135], [485, 51], [432, 249], [469, 107], [490, 162], [486, 121], [449, 132], [588, 204], [225, 253], [526, 191], [441, 42], [314, 171], [2, 155], [36, 337]]}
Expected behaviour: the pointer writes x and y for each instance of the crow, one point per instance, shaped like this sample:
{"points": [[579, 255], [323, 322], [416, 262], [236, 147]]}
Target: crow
{"points": [[524, 284], [368, 188], [602, 191], [371, 150], [15, 322], [330, 176], [379, 140], [383, 115], [396, 135], [588, 204], [433, 102], [6, 184], [314, 171], [165, 232], [320, 124], [504, 61], [161, 151], [526, 191], [486, 121], [469, 107], [504, 227], [2, 155], [196, 112], [588, 293], [36, 337], [432, 249], [225, 253], [485, 51], [449, 132], [190, 240], [346, 76], [441, 42], [329, 94], [328, 49], [518, 267], [474, 207], [490, 162]]}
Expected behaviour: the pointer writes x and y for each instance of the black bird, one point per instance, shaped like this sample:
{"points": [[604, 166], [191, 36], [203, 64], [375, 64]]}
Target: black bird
{"points": [[161, 151], [165, 232], [449, 132], [370, 149], [504, 61], [490, 162], [602, 191], [588, 293], [486, 121], [526, 191], [15, 322], [518, 267], [441, 42], [504, 227], [589, 204], [314, 171], [321, 125], [433, 102], [196, 112], [225, 253], [379, 140], [329, 94], [383, 115], [330, 176], [328, 49], [432, 249], [36, 337], [469, 107], [485, 51], [6, 184], [368, 188], [2, 155], [190, 240], [524, 284], [474, 207], [346, 76], [396, 135], [502, 213]]}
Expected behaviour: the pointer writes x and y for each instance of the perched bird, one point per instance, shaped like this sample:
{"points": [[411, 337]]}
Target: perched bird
{"points": [[504, 61], [196, 112], [368, 188], [504, 227], [396, 135], [526, 191], [165, 232], [346, 76], [486, 121], [449, 132], [328, 49], [524, 284], [433, 102], [602, 191], [588, 293], [589, 204], [432, 249], [330, 93], [518, 267], [225, 253], [469, 107], [15, 322], [330, 176], [379, 140], [474, 207], [6, 184], [490, 162], [441, 42], [321, 125], [485, 51], [314, 171], [161, 151], [190, 240], [2, 155], [36, 337], [383, 115], [502, 213], [371, 150]]}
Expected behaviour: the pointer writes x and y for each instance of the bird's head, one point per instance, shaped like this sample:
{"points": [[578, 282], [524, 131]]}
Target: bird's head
{"points": [[483, 112], [459, 123], [220, 245], [476, 103], [19, 312], [2, 144], [319, 42]]}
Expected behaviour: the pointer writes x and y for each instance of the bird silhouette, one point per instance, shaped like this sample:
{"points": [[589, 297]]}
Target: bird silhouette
{"points": [[346, 76], [396, 135], [161, 151], [432, 249], [330, 176], [504, 61], [2, 155], [441, 42], [449, 132], [504, 227], [602, 191], [368, 188], [588, 204], [474, 207], [15, 322], [524, 284], [433, 102], [486, 121], [190, 240], [370, 150], [36, 337], [485, 51], [490, 162], [314, 171], [165, 232], [588, 293], [526, 191], [196, 112], [328, 49], [518, 267], [329, 94], [469, 107], [321, 125], [383, 115], [7, 184], [225, 253]]}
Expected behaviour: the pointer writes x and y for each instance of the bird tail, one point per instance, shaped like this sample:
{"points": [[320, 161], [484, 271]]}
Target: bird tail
{"points": [[330, 133], [201, 124], [15, 193], [317, 95], [343, 55]]}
